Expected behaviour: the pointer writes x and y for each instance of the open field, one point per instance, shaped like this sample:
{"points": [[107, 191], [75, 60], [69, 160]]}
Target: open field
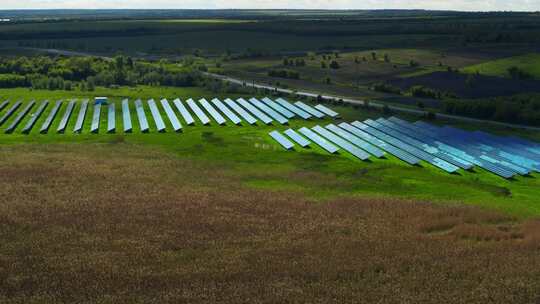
{"points": [[529, 63], [114, 221]]}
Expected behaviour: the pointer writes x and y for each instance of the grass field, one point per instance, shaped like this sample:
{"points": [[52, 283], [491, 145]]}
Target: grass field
{"points": [[529, 63], [250, 155]]}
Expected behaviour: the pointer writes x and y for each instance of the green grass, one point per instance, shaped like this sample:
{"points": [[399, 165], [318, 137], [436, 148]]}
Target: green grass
{"points": [[248, 153], [529, 63]]}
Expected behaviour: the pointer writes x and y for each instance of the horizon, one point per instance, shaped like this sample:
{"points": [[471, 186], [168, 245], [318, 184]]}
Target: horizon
{"points": [[427, 5]]}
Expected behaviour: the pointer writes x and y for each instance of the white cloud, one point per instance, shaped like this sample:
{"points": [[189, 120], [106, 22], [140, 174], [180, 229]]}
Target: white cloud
{"points": [[478, 5]]}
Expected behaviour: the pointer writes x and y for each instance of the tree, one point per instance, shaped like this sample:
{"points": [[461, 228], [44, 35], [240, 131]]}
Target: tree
{"points": [[323, 65], [374, 55], [90, 85], [386, 58], [285, 61]]}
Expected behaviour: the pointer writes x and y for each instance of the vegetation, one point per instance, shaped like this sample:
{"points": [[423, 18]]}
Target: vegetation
{"points": [[516, 66]]}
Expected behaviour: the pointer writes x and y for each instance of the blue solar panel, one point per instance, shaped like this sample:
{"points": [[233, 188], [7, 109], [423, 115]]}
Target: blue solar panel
{"points": [[212, 111], [34, 117], [260, 115], [80, 118], [223, 108], [437, 162], [198, 112], [284, 142], [48, 122], [404, 156], [340, 142], [126, 117], [177, 126], [297, 138], [20, 117], [323, 143], [309, 109], [94, 127], [143, 122], [266, 109], [10, 112], [327, 111], [282, 110], [393, 130], [357, 141], [184, 112], [303, 114], [65, 118], [111, 118], [160, 125], [238, 109]]}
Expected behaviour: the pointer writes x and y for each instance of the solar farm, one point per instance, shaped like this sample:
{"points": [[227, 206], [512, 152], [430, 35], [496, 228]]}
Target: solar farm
{"points": [[420, 143]]}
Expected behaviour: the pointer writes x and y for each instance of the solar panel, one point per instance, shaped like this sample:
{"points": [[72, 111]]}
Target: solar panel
{"points": [[284, 142], [356, 141], [48, 122], [94, 128], [34, 117], [20, 117], [177, 126], [160, 125], [4, 104], [404, 156], [198, 112], [80, 118], [297, 138], [309, 109], [303, 114], [143, 122], [282, 110], [266, 109], [10, 112], [126, 117], [215, 114], [243, 113], [184, 112], [435, 161], [64, 121], [394, 130], [340, 142], [223, 108], [323, 143], [111, 118], [327, 111], [253, 110]]}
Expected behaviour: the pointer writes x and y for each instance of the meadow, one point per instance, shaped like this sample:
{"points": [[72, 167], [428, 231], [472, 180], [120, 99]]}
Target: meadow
{"points": [[529, 63]]}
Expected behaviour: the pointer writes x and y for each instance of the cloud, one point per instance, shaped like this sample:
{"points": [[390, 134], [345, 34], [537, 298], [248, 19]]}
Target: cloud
{"points": [[468, 5]]}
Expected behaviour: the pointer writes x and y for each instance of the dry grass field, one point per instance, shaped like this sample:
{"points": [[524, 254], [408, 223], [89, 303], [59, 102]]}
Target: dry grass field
{"points": [[121, 223]]}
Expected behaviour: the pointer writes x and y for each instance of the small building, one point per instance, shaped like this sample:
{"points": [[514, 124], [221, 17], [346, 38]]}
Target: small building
{"points": [[100, 100]]}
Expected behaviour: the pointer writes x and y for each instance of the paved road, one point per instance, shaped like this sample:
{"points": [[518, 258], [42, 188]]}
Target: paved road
{"points": [[371, 103]]}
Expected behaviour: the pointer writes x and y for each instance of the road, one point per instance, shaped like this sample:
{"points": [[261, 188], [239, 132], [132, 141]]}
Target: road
{"points": [[371, 103]]}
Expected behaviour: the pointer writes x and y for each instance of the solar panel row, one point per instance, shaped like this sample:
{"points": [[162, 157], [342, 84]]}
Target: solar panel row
{"points": [[212, 111], [297, 138], [282, 110], [253, 110], [67, 114], [126, 117], [327, 111], [111, 118], [198, 112], [282, 140], [345, 145], [309, 109], [160, 125], [94, 128], [4, 104], [143, 122], [177, 126], [48, 122], [323, 143], [184, 112], [20, 117], [80, 118], [357, 141], [243, 113], [263, 107], [34, 117], [10, 112], [225, 110], [303, 114]]}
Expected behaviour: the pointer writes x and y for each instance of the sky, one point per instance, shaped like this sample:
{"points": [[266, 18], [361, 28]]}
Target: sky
{"points": [[464, 5]]}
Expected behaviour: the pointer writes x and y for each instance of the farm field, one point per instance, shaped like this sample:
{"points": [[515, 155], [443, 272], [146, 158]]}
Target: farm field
{"points": [[529, 63]]}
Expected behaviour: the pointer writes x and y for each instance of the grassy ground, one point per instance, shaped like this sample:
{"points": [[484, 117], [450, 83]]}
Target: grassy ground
{"points": [[250, 154], [100, 220], [529, 63]]}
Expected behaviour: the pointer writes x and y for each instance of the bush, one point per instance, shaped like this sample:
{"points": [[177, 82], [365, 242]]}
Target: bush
{"points": [[386, 88], [334, 65], [284, 73]]}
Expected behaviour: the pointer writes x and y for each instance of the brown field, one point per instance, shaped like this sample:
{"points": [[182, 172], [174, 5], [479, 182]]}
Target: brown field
{"points": [[119, 223]]}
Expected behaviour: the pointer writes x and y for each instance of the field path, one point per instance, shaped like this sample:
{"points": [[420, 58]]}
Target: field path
{"points": [[371, 103]]}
